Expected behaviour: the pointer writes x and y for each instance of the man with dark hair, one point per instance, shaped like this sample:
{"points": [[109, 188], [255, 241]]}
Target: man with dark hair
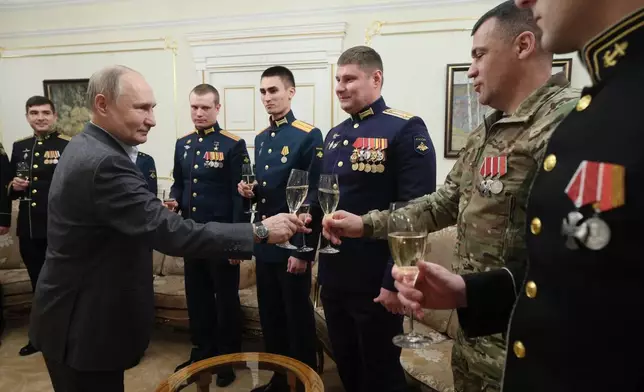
{"points": [[33, 161], [380, 155], [512, 74], [207, 167], [284, 274]]}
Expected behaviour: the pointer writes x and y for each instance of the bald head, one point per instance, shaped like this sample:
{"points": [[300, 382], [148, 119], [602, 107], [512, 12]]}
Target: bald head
{"points": [[122, 103]]}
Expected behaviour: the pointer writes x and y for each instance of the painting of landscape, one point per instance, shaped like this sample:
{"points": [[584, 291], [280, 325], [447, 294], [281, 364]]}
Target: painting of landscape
{"points": [[69, 98]]}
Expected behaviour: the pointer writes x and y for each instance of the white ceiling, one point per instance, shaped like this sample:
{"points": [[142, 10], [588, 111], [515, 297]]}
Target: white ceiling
{"points": [[16, 4]]}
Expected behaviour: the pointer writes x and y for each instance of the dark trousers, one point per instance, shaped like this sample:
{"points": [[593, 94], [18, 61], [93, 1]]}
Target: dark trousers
{"points": [[286, 312], [33, 252], [361, 331], [212, 294], [66, 379]]}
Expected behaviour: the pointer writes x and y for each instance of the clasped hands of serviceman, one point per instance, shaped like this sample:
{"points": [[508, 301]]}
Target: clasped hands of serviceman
{"points": [[281, 227], [436, 287], [295, 265]]}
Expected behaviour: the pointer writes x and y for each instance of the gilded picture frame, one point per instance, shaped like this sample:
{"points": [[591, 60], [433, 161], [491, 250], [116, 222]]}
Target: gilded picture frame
{"points": [[69, 98]]}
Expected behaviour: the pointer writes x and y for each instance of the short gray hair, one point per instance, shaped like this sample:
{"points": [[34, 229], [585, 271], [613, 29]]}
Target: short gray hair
{"points": [[106, 82]]}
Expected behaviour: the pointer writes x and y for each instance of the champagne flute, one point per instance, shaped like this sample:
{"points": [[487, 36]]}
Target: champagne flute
{"points": [[329, 197], [248, 175], [407, 242], [297, 188], [304, 209], [22, 171]]}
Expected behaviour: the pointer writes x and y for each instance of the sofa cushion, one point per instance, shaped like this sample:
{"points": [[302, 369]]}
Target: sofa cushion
{"points": [[15, 282], [170, 292], [431, 366], [9, 251], [157, 262], [250, 311], [172, 266]]}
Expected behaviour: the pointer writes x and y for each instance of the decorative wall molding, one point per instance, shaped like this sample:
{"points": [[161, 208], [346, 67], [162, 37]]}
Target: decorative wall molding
{"points": [[296, 46], [381, 28], [140, 45], [21, 4], [229, 19]]}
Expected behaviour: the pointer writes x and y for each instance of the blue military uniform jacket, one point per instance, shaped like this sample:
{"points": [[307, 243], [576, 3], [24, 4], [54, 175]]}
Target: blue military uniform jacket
{"points": [[146, 165], [380, 155], [41, 154], [286, 144], [207, 169]]}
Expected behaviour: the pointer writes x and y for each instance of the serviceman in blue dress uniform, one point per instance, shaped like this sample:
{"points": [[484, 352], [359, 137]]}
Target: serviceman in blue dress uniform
{"points": [[207, 168], [145, 163], [381, 155], [283, 275], [36, 156]]}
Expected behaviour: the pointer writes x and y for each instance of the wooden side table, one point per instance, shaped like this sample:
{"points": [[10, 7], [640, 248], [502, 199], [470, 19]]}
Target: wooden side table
{"points": [[200, 373]]}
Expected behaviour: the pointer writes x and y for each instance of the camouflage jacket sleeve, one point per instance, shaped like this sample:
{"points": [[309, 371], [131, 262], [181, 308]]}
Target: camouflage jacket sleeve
{"points": [[436, 210]]}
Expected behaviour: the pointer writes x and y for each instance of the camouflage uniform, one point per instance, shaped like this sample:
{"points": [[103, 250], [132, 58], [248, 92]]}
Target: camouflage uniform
{"points": [[490, 226]]}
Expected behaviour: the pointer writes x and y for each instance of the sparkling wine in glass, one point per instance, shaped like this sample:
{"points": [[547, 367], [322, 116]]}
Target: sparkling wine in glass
{"points": [[407, 242], [248, 175], [23, 171], [297, 188], [329, 197], [304, 209]]}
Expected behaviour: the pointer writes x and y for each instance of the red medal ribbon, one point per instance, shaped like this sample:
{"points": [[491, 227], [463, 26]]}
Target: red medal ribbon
{"points": [[597, 183]]}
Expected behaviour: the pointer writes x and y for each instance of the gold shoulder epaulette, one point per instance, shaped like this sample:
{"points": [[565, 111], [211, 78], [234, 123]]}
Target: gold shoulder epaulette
{"points": [[230, 135], [263, 130], [24, 138], [188, 134], [398, 113], [302, 126], [64, 137]]}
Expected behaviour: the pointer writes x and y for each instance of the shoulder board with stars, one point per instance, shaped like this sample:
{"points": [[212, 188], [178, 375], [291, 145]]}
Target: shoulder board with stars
{"points": [[302, 126], [398, 113], [22, 139], [230, 135], [187, 134], [143, 154], [263, 130], [64, 137]]}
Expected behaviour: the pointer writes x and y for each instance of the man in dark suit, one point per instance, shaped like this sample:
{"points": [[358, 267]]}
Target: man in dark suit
{"points": [[145, 163], [93, 308]]}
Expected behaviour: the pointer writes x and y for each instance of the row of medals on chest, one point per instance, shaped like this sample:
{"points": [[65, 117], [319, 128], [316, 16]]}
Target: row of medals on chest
{"points": [[51, 156], [213, 159]]}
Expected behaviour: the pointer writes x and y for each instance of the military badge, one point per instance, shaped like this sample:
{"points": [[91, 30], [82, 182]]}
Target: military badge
{"points": [[26, 153], [319, 152], [215, 146], [596, 184], [153, 174], [492, 169], [420, 145], [284, 153], [214, 159]]}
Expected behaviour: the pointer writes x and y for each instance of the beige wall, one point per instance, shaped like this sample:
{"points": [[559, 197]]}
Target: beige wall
{"points": [[227, 44]]}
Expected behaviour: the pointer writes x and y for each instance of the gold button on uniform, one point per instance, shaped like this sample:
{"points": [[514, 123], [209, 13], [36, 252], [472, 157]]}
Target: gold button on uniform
{"points": [[35, 178], [531, 289], [356, 125], [340, 164], [33, 204], [266, 167], [196, 166], [550, 162], [584, 102], [34, 191], [35, 166], [194, 194], [40, 143], [272, 134], [264, 183], [270, 150], [346, 142], [519, 349], [198, 152], [535, 226], [194, 209], [37, 154], [263, 217], [263, 200], [195, 181], [201, 139]]}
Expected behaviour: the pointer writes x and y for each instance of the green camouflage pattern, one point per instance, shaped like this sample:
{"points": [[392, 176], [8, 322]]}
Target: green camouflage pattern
{"points": [[490, 227]]}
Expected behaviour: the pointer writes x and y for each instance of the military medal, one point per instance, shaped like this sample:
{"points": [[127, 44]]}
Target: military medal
{"points": [[491, 170], [602, 186], [56, 156], [216, 146], [26, 155], [284, 153], [359, 152], [570, 228]]}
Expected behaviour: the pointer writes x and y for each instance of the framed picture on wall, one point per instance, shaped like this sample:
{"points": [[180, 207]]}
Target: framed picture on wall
{"points": [[463, 112], [69, 96]]}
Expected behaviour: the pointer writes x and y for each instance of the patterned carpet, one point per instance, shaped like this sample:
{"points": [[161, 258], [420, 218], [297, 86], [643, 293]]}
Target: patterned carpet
{"points": [[167, 349]]}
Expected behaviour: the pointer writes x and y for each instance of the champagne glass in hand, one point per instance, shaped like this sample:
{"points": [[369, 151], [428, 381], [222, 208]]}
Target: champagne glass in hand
{"points": [[22, 172], [407, 242], [304, 209], [297, 188], [329, 197], [248, 175]]}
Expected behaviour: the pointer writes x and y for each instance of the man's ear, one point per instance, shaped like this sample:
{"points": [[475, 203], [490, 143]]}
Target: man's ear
{"points": [[291, 92], [525, 44], [100, 104]]}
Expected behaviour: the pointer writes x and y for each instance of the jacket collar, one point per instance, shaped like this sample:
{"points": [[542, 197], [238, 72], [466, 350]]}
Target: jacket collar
{"points": [[377, 107], [209, 130], [283, 121], [619, 44]]}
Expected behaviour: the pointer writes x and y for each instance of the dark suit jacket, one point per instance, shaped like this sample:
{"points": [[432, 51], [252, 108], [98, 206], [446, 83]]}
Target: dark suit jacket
{"points": [[93, 306]]}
